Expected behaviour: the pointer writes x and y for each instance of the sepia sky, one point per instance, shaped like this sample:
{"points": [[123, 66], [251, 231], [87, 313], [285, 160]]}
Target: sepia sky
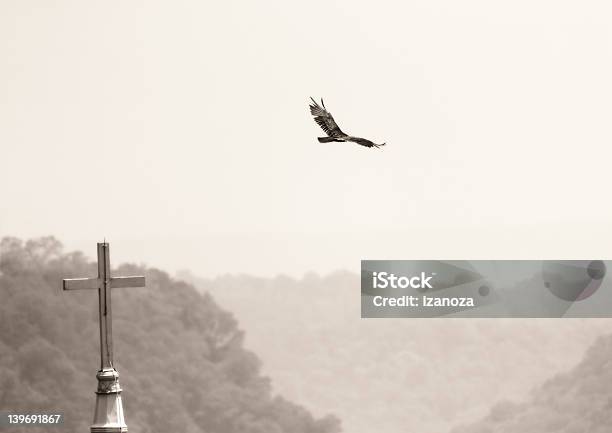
{"points": [[180, 130]]}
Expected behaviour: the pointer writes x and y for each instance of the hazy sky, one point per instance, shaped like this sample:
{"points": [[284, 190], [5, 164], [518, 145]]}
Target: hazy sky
{"points": [[180, 130]]}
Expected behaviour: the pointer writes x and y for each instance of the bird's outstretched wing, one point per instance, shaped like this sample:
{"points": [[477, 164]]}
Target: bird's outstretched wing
{"points": [[325, 120]]}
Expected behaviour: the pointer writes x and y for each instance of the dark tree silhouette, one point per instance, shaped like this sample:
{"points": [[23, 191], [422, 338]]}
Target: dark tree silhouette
{"points": [[180, 355]]}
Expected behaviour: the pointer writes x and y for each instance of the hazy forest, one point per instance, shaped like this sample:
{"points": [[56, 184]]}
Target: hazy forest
{"points": [[181, 358], [574, 402], [184, 366]]}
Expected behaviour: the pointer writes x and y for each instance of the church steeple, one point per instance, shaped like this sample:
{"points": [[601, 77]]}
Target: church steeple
{"points": [[108, 416]]}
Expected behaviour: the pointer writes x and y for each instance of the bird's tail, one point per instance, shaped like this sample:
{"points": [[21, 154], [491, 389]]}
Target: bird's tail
{"points": [[326, 139]]}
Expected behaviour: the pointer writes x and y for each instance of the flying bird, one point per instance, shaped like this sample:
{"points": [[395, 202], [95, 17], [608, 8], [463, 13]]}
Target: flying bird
{"points": [[327, 123]]}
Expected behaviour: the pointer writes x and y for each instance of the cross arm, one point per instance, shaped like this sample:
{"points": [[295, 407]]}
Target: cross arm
{"points": [[94, 283], [133, 281], [81, 283]]}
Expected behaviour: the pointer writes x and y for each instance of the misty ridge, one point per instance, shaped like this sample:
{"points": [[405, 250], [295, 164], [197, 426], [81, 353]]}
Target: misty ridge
{"points": [[574, 402], [306, 353], [393, 374]]}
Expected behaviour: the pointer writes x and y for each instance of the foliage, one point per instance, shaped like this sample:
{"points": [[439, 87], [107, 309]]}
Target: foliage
{"points": [[181, 358], [574, 402]]}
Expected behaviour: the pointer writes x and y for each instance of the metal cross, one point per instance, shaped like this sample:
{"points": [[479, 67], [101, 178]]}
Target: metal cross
{"points": [[104, 283]]}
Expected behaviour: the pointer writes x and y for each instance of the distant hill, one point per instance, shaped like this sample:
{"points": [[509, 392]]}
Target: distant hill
{"points": [[578, 401], [393, 376], [181, 357]]}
